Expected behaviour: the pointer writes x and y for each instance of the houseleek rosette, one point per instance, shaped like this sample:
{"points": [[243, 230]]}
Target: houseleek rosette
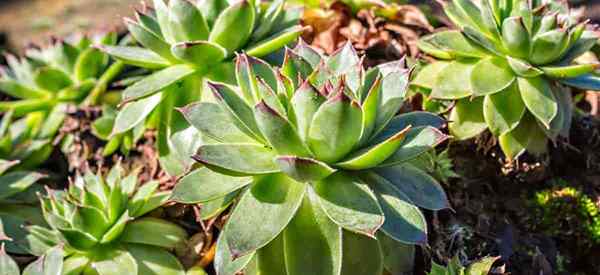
{"points": [[319, 159], [507, 68], [43, 83], [185, 43], [98, 220]]}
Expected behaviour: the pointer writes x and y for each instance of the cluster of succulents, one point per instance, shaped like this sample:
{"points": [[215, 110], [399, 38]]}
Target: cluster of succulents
{"points": [[186, 43], [507, 68], [319, 159], [98, 221]]}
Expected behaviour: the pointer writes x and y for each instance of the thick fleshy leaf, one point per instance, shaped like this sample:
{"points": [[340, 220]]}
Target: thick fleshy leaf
{"points": [[186, 22], [276, 41], [398, 258], [90, 64], [75, 264], [394, 86], [263, 212], [237, 108], [155, 232], [115, 262], [350, 203], [342, 60], [569, 71], [7, 265], [233, 27], [90, 220], [453, 81], [467, 118], [295, 67], [225, 263], [212, 121], [211, 209], [426, 77], [516, 37], [421, 188], [537, 96], [199, 53], [270, 259], [311, 237], [308, 53], [154, 261], [362, 255], [456, 44], [117, 228], [252, 72], [522, 68], [135, 113], [157, 82], [412, 119], [502, 111], [404, 222], [241, 159], [549, 46], [77, 239], [305, 103], [584, 82], [526, 136], [418, 140], [150, 40], [136, 56], [204, 185], [16, 182], [52, 79], [304, 169], [279, 132], [336, 128], [374, 155], [491, 75], [19, 90]]}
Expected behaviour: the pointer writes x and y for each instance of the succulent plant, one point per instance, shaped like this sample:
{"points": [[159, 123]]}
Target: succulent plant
{"points": [[185, 43], [44, 82], [50, 263], [480, 267], [507, 68], [98, 219], [320, 162]]}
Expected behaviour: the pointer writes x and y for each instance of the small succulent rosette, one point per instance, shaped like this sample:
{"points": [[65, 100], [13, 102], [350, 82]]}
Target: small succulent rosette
{"points": [[507, 68], [317, 158], [184, 43], [99, 222]]}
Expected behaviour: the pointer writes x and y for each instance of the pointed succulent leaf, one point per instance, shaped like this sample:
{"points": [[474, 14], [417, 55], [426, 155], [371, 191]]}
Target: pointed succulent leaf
{"points": [[19, 90], [269, 97], [212, 121], [266, 208], [483, 40], [417, 141], [370, 109], [586, 42], [305, 103], [157, 82], [456, 44], [240, 159], [7, 264], [571, 71], [526, 136], [362, 255], [304, 169], [233, 27], [342, 60], [16, 182], [211, 209], [522, 68], [204, 185], [467, 118], [537, 96], [90, 64], [549, 46], [426, 78], [584, 82], [155, 232], [516, 37], [225, 263], [275, 42], [162, 18], [419, 187], [412, 119], [394, 86], [78, 239], [336, 128], [350, 203], [186, 22], [311, 237], [134, 113], [115, 262], [237, 108], [90, 220], [374, 155], [149, 21], [75, 264], [199, 53], [308, 53], [404, 222], [154, 261], [453, 81], [296, 67], [279, 132], [150, 40], [502, 111], [490, 76], [52, 79]]}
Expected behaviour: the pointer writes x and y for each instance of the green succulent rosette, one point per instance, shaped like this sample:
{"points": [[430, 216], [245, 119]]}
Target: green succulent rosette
{"points": [[43, 84], [99, 222], [184, 43], [507, 69], [317, 159]]}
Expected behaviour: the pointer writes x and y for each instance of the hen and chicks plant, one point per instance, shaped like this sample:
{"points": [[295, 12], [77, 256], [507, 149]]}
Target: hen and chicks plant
{"points": [[187, 42], [508, 68], [319, 160]]}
